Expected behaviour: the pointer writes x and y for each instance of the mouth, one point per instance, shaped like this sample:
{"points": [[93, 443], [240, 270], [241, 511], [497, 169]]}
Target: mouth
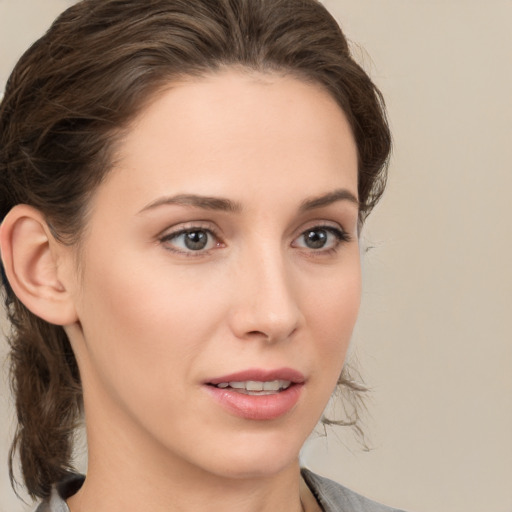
{"points": [[257, 394], [254, 387]]}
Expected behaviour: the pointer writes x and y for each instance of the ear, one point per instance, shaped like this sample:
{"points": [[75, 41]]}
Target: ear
{"points": [[33, 262]]}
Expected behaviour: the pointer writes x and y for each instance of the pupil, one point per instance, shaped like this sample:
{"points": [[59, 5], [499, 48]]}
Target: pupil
{"points": [[316, 239], [196, 240]]}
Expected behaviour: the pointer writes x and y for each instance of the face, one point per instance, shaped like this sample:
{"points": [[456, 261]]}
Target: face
{"points": [[219, 275]]}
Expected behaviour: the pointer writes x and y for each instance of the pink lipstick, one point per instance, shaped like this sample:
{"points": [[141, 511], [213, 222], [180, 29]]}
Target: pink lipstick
{"points": [[257, 394]]}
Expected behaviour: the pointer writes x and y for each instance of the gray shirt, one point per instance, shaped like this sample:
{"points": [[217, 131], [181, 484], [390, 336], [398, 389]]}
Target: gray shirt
{"points": [[331, 496]]}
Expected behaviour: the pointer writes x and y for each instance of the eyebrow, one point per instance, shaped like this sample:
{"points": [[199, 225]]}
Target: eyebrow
{"points": [[341, 194], [196, 201], [227, 205]]}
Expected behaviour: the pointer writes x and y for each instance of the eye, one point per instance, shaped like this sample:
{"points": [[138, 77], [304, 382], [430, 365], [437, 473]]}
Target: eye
{"points": [[191, 240], [321, 238]]}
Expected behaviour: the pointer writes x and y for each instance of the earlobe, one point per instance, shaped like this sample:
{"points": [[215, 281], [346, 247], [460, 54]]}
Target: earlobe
{"points": [[32, 257]]}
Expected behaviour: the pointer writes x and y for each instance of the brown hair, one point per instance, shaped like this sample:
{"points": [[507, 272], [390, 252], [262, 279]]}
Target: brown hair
{"points": [[67, 101]]}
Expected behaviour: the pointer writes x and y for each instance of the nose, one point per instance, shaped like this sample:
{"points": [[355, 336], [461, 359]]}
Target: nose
{"points": [[265, 304]]}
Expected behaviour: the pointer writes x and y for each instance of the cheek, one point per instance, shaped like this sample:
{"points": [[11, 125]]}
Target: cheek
{"points": [[141, 343], [331, 313], [151, 322], [333, 306]]}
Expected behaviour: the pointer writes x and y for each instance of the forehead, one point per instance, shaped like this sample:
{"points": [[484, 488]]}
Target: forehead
{"points": [[239, 131]]}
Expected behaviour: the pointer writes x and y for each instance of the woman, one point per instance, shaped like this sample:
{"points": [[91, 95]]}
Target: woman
{"points": [[183, 185]]}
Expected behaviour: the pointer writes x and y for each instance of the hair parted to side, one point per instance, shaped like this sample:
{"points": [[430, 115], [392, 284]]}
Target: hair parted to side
{"points": [[67, 102]]}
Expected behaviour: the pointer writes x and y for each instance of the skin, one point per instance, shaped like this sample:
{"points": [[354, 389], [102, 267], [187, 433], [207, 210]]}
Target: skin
{"points": [[154, 319]]}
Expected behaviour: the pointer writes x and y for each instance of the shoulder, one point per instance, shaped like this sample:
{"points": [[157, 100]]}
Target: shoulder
{"points": [[60, 493], [54, 504], [333, 497]]}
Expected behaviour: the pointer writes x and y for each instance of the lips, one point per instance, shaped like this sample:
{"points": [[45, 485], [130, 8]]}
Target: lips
{"points": [[257, 394], [253, 387]]}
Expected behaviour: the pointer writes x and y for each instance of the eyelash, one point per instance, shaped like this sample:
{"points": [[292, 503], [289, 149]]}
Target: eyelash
{"points": [[341, 237], [186, 230]]}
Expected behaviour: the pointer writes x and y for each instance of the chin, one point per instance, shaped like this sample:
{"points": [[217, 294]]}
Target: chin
{"points": [[261, 456], [250, 469]]}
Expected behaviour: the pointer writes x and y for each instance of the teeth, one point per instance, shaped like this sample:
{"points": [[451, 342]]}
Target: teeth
{"points": [[275, 385], [253, 385], [237, 385]]}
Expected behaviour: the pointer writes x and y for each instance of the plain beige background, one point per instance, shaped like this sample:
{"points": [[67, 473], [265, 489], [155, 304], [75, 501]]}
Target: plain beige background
{"points": [[434, 336]]}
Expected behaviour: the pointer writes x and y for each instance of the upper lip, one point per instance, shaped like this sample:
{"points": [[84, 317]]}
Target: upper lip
{"points": [[260, 375]]}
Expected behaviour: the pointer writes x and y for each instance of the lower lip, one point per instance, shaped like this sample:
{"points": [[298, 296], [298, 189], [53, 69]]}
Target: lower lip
{"points": [[257, 407]]}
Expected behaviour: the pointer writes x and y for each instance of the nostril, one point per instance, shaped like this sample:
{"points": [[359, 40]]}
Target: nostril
{"points": [[271, 336], [258, 334], [268, 317]]}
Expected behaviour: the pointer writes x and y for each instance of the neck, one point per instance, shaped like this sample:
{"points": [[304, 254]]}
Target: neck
{"points": [[129, 472], [132, 488]]}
